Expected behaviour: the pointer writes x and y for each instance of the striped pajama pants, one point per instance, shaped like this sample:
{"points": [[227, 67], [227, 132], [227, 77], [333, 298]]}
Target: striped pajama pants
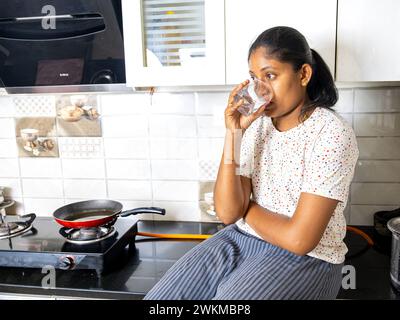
{"points": [[234, 265]]}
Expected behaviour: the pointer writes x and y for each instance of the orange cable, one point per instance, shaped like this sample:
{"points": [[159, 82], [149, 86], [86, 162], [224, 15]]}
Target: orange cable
{"points": [[362, 234], [174, 236], [206, 236]]}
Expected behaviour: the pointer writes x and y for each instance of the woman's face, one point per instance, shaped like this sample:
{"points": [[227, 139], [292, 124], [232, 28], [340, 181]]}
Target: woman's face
{"points": [[288, 86]]}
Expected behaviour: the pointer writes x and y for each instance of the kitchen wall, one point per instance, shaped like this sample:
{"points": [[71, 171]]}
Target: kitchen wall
{"points": [[163, 150]]}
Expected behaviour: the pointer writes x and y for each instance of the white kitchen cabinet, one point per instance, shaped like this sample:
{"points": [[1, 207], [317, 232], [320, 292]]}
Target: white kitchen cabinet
{"points": [[174, 42], [245, 20], [368, 46]]}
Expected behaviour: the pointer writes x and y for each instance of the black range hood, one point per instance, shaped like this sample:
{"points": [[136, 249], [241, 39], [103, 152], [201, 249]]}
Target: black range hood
{"points": [[51, 46]]}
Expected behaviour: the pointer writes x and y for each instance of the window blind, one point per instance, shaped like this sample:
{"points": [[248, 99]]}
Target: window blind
{"points": [[172, 28]]}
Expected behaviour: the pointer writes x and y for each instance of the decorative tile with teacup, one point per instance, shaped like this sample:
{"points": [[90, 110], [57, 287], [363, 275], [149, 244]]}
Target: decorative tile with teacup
{"points": [[40, 120]]}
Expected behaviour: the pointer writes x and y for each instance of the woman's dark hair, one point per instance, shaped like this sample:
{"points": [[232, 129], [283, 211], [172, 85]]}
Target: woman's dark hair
{"points": [[289, 45]]}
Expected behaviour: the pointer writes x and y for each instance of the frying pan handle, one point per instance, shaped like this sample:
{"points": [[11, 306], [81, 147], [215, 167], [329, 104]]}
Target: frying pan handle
{"points": [[154, 210]]}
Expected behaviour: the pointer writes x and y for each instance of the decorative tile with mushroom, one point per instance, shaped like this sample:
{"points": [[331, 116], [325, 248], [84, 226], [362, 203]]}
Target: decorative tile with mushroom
{"points": [[61, 116]]}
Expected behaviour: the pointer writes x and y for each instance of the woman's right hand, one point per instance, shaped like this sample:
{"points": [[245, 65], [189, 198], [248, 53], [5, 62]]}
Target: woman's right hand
{"points": [[233, 118]]}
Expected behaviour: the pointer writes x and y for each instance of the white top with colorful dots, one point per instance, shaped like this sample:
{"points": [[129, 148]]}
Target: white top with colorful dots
{"points": [[318, 156]]}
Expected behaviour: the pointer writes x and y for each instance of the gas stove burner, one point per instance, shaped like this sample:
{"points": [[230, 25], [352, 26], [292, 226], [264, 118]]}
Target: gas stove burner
{"points": [[87, 235], [5, 228], [15, 228], [47, 244]]}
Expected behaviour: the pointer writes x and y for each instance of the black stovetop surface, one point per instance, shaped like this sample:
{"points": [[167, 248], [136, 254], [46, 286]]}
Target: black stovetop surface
{"points": [[138, 270], [44, 237]]}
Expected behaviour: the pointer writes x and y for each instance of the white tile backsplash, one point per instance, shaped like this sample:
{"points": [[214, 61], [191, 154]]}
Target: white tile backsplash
{"points": [[172, 103], [7, 108], [9, 168], [161, 148], [134, 204], [84, 168], [85, 189], [125, 126], [42, 207], [377, 100], [345, 102], [347, 117], [126, 148], [211, 148], [124, 104], [175, 190], [155, 150], [211, 126], [42, 188], [173, 126], [211, 103], [8, 148], [178, 211], [375, 193], [377, 171], [379, 148], [363, 215], [40, 168], [381, 124], [7, 128], [129, 190], [128, 169], [174, 170]]}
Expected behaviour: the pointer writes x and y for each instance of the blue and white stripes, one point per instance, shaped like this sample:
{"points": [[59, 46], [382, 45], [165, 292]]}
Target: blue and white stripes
{"points": [[234, 265]]}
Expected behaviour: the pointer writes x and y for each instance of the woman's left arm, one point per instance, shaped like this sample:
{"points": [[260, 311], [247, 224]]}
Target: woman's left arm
{"points": [[300, 233]]}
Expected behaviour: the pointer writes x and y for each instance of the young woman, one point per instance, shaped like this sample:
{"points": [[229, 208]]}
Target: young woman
{"points": [[283, 200]]}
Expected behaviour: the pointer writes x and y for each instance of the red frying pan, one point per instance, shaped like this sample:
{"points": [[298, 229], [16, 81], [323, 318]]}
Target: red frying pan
{"points": [[95, 213]]}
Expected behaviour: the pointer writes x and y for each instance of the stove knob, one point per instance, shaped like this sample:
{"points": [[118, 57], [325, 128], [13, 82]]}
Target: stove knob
{"points": [[67, 263]]}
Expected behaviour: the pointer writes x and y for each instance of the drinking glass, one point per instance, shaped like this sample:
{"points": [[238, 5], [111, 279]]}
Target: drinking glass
{"points": [[256, 94]]}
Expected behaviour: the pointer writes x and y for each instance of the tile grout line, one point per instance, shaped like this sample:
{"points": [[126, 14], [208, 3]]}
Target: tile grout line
{"points": [[196, 113], [59, 153], [103, 152], [14, 115], [149, 105]]}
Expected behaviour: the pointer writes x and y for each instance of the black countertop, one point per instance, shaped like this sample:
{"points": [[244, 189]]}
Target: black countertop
{"points": [[141, 268]]}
